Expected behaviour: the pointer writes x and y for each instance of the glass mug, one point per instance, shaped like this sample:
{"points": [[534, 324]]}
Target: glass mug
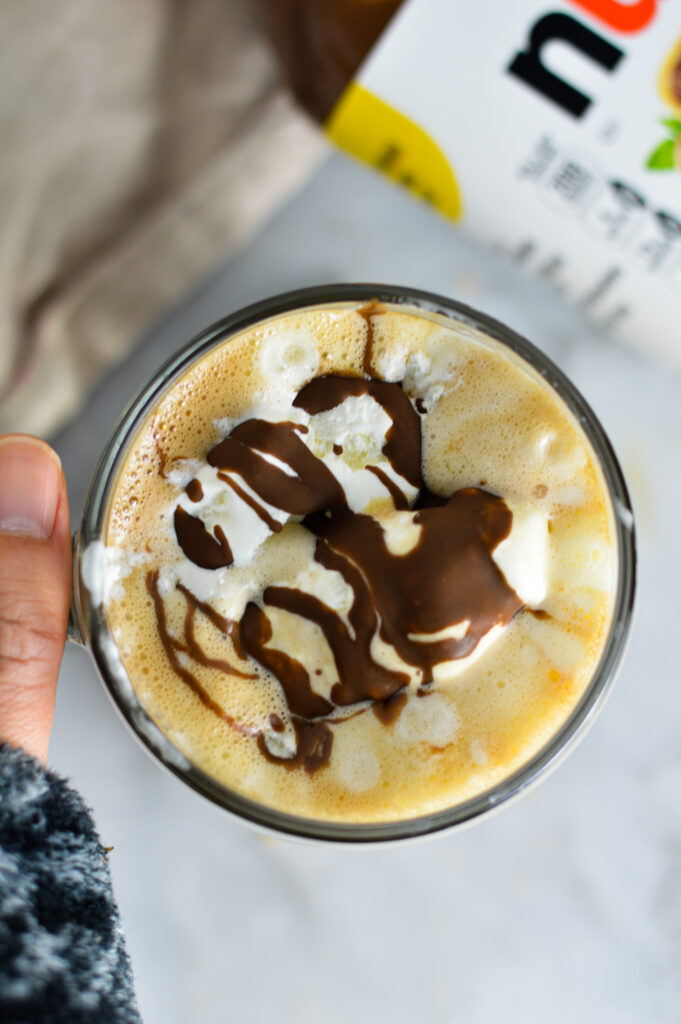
{"points": [[88, 624]]}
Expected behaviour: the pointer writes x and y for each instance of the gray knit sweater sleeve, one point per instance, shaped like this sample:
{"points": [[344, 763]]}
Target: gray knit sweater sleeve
{"points": [[62, 952]]}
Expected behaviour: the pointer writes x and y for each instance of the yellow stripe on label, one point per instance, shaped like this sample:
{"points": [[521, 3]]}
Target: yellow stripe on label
{"points": [[376, 133], [669, 73]]}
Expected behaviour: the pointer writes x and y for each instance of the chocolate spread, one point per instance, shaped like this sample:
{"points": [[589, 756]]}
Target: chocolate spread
{"points": [[320, 45]]}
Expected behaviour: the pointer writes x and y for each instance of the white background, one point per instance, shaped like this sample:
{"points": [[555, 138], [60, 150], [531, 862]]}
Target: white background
{"points": [[564, 907]]}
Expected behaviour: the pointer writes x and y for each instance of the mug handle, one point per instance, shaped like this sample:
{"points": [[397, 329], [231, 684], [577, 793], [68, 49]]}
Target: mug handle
{"points": [[73, 630]]}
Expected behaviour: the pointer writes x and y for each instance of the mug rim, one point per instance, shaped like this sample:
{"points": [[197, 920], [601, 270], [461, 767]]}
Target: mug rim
{"points": [[94, 628]]}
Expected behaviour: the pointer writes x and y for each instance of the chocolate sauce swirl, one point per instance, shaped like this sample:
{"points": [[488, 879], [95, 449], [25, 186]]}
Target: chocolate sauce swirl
{"points": [[430, 604], [313, 486], [402, 445], [448, 577]]}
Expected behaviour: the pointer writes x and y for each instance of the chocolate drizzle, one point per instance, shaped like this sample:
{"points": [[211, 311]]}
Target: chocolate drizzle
{"points": [[228, 627], [392, 601], [194, 490], [402, 445], [273, 524], [448, 577], [314, 740], [399, 498], [368, 311], [202, 548], [313, 487], [175, 648], [430, 604]]}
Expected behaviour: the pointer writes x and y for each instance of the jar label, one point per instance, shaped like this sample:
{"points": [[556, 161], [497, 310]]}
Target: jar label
{"points": [[551, 131]]}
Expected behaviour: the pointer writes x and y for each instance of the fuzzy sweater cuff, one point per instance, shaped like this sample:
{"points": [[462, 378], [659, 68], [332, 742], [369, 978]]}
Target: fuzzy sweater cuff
{"points": [[62, 953]]}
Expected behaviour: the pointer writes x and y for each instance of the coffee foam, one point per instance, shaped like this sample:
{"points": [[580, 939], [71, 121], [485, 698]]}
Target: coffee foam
{"points": [[489, 423]]}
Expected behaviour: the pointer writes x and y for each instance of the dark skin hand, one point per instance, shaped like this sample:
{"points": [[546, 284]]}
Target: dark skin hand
{"points": [[35, 588]]}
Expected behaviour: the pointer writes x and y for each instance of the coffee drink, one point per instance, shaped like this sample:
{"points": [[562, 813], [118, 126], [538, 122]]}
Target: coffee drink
{"points": [[358, 562]]}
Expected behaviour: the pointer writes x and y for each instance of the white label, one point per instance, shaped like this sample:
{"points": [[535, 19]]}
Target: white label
{"points": [[551, 131]]}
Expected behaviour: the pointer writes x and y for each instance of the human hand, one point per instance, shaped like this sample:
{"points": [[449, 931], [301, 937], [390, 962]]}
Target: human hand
{"points": [[35, 588]]}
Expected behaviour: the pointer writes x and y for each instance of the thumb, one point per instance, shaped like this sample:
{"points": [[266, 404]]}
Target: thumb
{"points": [[35, 588]]}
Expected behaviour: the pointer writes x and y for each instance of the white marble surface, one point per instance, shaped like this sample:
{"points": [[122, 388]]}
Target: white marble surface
{"points": [[564, 907]]}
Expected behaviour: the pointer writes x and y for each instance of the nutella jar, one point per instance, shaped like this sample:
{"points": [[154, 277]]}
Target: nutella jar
{"points": [[552, 135]]}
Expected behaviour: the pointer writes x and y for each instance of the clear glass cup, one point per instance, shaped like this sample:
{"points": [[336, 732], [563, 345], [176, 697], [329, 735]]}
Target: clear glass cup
{"points": [[88, 623]]}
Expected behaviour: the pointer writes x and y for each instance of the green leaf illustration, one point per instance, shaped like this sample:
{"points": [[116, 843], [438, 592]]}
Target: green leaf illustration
{"points": [[662, 158], [673, 125]]}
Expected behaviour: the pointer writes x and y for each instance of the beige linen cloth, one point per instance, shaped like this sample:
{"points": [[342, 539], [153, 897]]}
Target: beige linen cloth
{"points": [[141, 142]]}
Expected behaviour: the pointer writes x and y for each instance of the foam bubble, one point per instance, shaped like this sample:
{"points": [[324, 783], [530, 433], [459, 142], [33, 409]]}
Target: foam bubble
{"points": [[478, 753], [360, 772], [290, 356], [428, 375], [432, 720]]}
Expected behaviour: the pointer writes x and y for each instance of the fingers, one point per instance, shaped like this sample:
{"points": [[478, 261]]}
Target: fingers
{"points": [[35, 588]]}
